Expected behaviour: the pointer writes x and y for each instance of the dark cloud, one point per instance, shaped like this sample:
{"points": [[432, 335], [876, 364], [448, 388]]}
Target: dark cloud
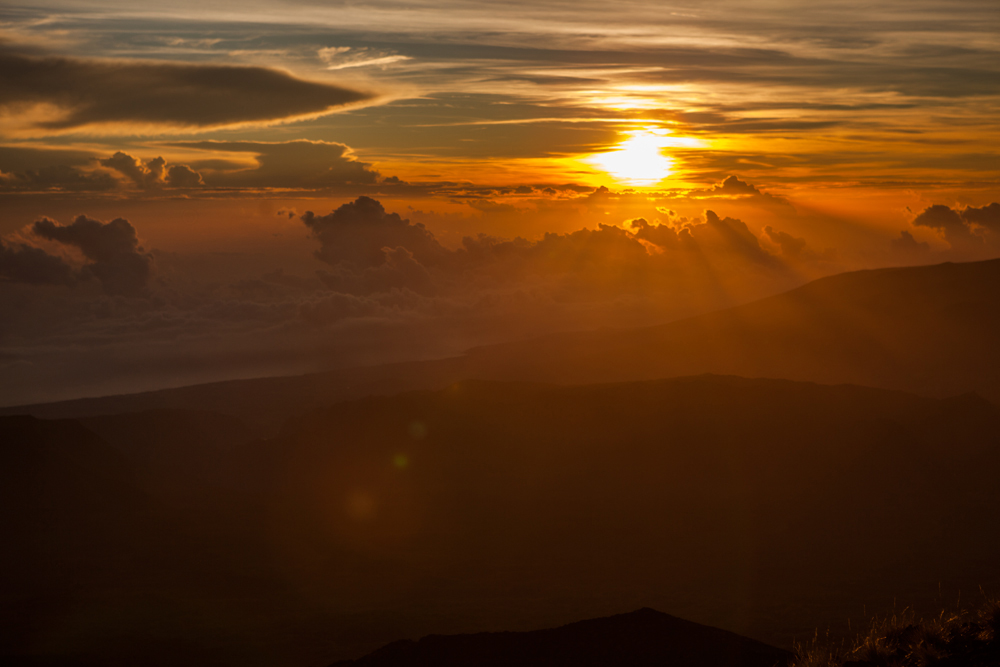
{"points": [[183, 176], [961, 227], [662, 236], [20, 158], [372, 251], [154, 173], [791, 246], [733, 187], [101, 92], [151, 175], [984, 216], [291, 164], [734, 235], [112, 248], [943, 219], [358, 233], [142, 175], [58, 177], [909, 245], [22, 263]]}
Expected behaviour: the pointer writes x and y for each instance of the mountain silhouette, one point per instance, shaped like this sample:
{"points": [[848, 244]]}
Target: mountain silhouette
{"points": [[926, 329], [767, 507], [178, 456], [643, 638]]}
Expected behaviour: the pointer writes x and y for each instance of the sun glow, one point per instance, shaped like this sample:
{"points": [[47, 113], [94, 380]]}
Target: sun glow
{"points": [[639, 159]]}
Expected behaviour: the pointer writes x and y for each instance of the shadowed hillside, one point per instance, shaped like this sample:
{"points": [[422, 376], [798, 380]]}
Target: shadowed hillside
{"points": [[929, 330], [643, 638], [765, 507]]}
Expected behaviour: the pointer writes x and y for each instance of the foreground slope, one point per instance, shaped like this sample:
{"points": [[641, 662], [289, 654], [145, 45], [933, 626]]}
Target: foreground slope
{"points": [[643, 638], [927, 329], [766, 507]]}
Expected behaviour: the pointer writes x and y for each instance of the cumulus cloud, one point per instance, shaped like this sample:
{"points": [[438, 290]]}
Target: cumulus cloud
{"points": [[115, 257], [962, 227], [22, 263], [908, 245], [358, 232], [386, 289], [791, 246], [58, 177], [733, 187], [183, 176], [372, 251], [99, 176], [154, 173], [290, 164], [119, 95], [987, 217]]}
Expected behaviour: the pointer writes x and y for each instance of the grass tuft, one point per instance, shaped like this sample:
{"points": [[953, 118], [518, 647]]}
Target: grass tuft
{"points": [[964, 638]]}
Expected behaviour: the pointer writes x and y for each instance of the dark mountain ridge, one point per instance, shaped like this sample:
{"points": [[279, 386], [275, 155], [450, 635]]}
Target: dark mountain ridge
{"points": [[767, 507], [643, 638]]}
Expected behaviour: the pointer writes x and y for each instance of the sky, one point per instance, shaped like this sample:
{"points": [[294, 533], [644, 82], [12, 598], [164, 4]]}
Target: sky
{"points": [[194, 191]]}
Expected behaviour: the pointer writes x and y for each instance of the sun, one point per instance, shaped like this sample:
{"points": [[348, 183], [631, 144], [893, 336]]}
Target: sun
{"points": [[639, 159]]}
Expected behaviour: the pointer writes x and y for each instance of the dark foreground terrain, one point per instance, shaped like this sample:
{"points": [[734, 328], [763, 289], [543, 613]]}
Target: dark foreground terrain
{"points": [[643, 638], [766, 507]]}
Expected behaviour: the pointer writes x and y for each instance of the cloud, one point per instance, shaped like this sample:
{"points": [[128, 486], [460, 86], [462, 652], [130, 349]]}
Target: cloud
{"points": [[791, 246], [909, 245], [734, 235], [183, 176], [987, 217], [290, 164], [399, 270], [386, 290], [58, 177], [733, 187], [962, 227], [945, 220], [112, 248], [117, 96], [358, 233], [154, 174], [345, 57], [374, 251], [22, 263]]}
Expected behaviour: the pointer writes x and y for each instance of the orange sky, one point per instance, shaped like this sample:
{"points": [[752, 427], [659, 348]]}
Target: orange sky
{"points": [[624, 169]]}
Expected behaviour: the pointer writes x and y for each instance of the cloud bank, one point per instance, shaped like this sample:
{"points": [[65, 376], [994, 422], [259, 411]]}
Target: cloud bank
{"points": [[963, 228], [117, 96], [111, 254]]}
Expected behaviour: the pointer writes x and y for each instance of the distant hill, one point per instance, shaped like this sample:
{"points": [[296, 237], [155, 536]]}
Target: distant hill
{"points": [[767, 507], [643, 638], [927, 329]]}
